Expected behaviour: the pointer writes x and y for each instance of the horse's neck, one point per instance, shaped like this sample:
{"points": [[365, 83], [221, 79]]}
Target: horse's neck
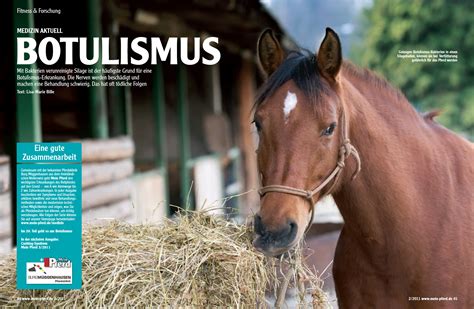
{"points": [[383, 194]]}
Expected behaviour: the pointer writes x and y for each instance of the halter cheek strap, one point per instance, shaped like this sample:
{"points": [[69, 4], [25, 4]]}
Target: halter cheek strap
{"points": [[346, 150]]}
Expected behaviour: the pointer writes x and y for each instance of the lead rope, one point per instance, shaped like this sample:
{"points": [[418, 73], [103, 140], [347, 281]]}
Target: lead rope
{"points": [[346, 150]]}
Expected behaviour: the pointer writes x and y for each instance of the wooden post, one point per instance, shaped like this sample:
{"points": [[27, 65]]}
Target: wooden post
{"points": [[119, 97], [216, 88], [98, 104], [127, 103], [28, 110], [115, 95], [184, 146], [249, 159], [159, 111]]}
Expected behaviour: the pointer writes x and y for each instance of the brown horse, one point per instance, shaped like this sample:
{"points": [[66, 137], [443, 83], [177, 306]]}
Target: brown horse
{"points": [[408, 236]]}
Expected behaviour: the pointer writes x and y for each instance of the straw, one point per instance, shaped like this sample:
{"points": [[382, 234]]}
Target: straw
{"points": [[194, 260]]}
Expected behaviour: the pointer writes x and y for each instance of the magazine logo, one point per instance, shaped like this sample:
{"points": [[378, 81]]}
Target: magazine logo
{"points": [[49, 271], [57, 263]]}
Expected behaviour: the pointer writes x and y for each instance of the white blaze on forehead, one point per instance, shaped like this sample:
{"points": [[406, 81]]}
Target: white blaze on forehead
{"points": [[289, 104]]}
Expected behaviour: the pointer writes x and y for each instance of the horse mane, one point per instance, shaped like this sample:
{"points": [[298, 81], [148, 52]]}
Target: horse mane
{"points": [[355, 73], [300, 67], [374, 79]]}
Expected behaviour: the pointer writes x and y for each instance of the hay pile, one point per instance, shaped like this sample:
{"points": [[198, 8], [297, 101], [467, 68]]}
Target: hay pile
{"points": [[195, 260]]}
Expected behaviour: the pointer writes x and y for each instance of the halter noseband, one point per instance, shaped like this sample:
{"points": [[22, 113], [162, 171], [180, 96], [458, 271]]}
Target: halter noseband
{"points": [[345, 151]]}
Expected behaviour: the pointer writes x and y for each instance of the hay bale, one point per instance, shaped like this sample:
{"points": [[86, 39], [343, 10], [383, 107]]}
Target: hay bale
{"points": [[195, 260]]}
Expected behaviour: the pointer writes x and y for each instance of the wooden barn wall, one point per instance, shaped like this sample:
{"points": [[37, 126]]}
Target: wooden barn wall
{"points": [[106, 179], [5, 206]]}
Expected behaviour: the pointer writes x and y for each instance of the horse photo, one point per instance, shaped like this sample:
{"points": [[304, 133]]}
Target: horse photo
{"points": [[402, 182]]}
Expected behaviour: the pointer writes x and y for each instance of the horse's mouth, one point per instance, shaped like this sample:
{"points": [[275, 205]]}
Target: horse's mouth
{"points": [[270, 249]]}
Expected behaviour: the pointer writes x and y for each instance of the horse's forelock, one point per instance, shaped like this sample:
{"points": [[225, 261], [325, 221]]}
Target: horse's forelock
{"points": [[299, 66]]}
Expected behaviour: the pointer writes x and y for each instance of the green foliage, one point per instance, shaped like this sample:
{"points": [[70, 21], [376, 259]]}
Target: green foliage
{"points": [[390, 26]]}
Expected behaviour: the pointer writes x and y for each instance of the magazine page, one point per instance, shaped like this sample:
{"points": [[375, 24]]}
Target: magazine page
{"points": [[243, 154]]}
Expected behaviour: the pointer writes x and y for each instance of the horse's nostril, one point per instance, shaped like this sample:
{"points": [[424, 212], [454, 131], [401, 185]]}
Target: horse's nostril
{"points": [[258, 225], [293, 228]]}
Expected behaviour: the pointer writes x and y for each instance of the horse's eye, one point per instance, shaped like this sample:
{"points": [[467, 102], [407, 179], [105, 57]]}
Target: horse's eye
{"points": [[257, 125], [329, 130]]}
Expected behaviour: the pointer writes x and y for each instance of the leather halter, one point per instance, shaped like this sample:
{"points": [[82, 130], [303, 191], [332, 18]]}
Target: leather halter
{"points": [[345, 151]]}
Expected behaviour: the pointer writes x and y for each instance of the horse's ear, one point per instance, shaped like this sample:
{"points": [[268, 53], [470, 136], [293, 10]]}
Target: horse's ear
{"points": [[329, 57], [270, 54]]}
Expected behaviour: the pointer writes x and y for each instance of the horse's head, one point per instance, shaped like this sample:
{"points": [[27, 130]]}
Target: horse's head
{"points": [[298, 118]]}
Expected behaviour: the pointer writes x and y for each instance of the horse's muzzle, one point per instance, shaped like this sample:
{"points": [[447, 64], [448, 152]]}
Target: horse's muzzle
{"points": [[273, 243]]}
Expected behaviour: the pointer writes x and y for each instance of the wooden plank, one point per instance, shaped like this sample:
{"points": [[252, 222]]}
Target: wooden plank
{"points": [[121, 210], [4, 178], [4, 159], [246, 101], [5, 246], [130, 219], [209, 184], [5, 205], [107, 149], [106, 193], [149, 197], [99, 173], [5, 227]]}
